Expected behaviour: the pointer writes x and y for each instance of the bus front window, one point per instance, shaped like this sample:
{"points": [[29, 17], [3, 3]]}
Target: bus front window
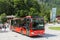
{"points": [[38, 24]]}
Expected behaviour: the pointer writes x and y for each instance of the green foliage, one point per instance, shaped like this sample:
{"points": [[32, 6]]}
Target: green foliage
{"points": [[58, 11], [22, 8], [6, 6], [27, 7], [3, 17], [54, 28]]}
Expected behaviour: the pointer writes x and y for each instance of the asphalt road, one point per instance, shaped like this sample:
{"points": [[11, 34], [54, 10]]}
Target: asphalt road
{"points": [[49, 35]]}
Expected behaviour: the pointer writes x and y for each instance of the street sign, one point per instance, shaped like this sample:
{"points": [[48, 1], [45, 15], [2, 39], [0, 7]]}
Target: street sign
{"points": [[53, 15]]}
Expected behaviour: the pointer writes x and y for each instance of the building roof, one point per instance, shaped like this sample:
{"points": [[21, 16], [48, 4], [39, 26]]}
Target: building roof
{"points": [[11, 16]]}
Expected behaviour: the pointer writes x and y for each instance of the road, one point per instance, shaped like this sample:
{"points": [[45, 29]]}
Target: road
{"points": [[49, 35]]}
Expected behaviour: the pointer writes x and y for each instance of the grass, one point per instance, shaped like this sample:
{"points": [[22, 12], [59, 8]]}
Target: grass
{"points": [[54, 28]]}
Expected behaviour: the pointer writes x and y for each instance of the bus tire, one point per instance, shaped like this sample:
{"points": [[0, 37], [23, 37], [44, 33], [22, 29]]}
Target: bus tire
{"points": [[21, 31]]}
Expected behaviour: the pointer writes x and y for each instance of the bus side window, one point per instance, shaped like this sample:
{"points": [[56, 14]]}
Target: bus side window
{"points": [[15, 23], [18, 23], [12, 22], [24, 22]]}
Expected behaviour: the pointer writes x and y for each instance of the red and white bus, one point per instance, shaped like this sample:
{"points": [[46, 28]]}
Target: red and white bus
{"points": [[30, 26]]}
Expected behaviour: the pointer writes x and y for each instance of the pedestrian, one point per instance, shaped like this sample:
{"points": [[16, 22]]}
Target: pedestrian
{"points": [[6, 25], [3, 27]]}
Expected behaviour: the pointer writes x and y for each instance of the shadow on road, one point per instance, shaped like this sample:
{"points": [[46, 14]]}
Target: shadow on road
{"points": [[50, 35], [45, 36]]}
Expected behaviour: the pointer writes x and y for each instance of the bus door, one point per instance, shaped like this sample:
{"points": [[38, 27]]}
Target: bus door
{"points": [[28, 21], [26, 26]]}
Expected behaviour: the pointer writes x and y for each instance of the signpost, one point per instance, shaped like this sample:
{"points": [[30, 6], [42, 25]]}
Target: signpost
{"points": [[53, 15]]}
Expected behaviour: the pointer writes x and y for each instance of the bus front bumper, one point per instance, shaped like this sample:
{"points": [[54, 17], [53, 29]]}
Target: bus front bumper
{"points": [[37, 33]]}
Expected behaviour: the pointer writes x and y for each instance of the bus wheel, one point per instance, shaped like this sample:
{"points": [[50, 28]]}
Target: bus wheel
{"points": [[21, 31]]}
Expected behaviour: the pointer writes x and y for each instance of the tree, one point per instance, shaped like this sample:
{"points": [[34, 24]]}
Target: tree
{"points": [[7, 6], [27, 7], [22, 8]]}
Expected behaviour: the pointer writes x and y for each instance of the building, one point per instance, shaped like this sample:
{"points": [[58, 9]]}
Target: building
{"points": [[58, 18]]}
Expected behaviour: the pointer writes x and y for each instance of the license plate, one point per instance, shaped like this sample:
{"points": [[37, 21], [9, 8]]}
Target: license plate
{"points": [[38, 34]]}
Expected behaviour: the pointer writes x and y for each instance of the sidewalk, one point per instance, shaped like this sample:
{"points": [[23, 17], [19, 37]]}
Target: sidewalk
{"points": [[53, 25]]}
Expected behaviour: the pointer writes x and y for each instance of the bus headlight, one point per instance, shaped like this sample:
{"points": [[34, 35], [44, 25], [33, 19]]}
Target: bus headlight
{"points": [[32, 32]]}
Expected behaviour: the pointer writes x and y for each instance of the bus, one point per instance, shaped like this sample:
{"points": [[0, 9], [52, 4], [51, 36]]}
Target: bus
{"points": [[30, 26]]}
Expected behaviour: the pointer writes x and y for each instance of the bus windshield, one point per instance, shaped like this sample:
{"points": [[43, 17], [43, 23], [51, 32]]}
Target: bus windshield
{"points": [[38, 23]]}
